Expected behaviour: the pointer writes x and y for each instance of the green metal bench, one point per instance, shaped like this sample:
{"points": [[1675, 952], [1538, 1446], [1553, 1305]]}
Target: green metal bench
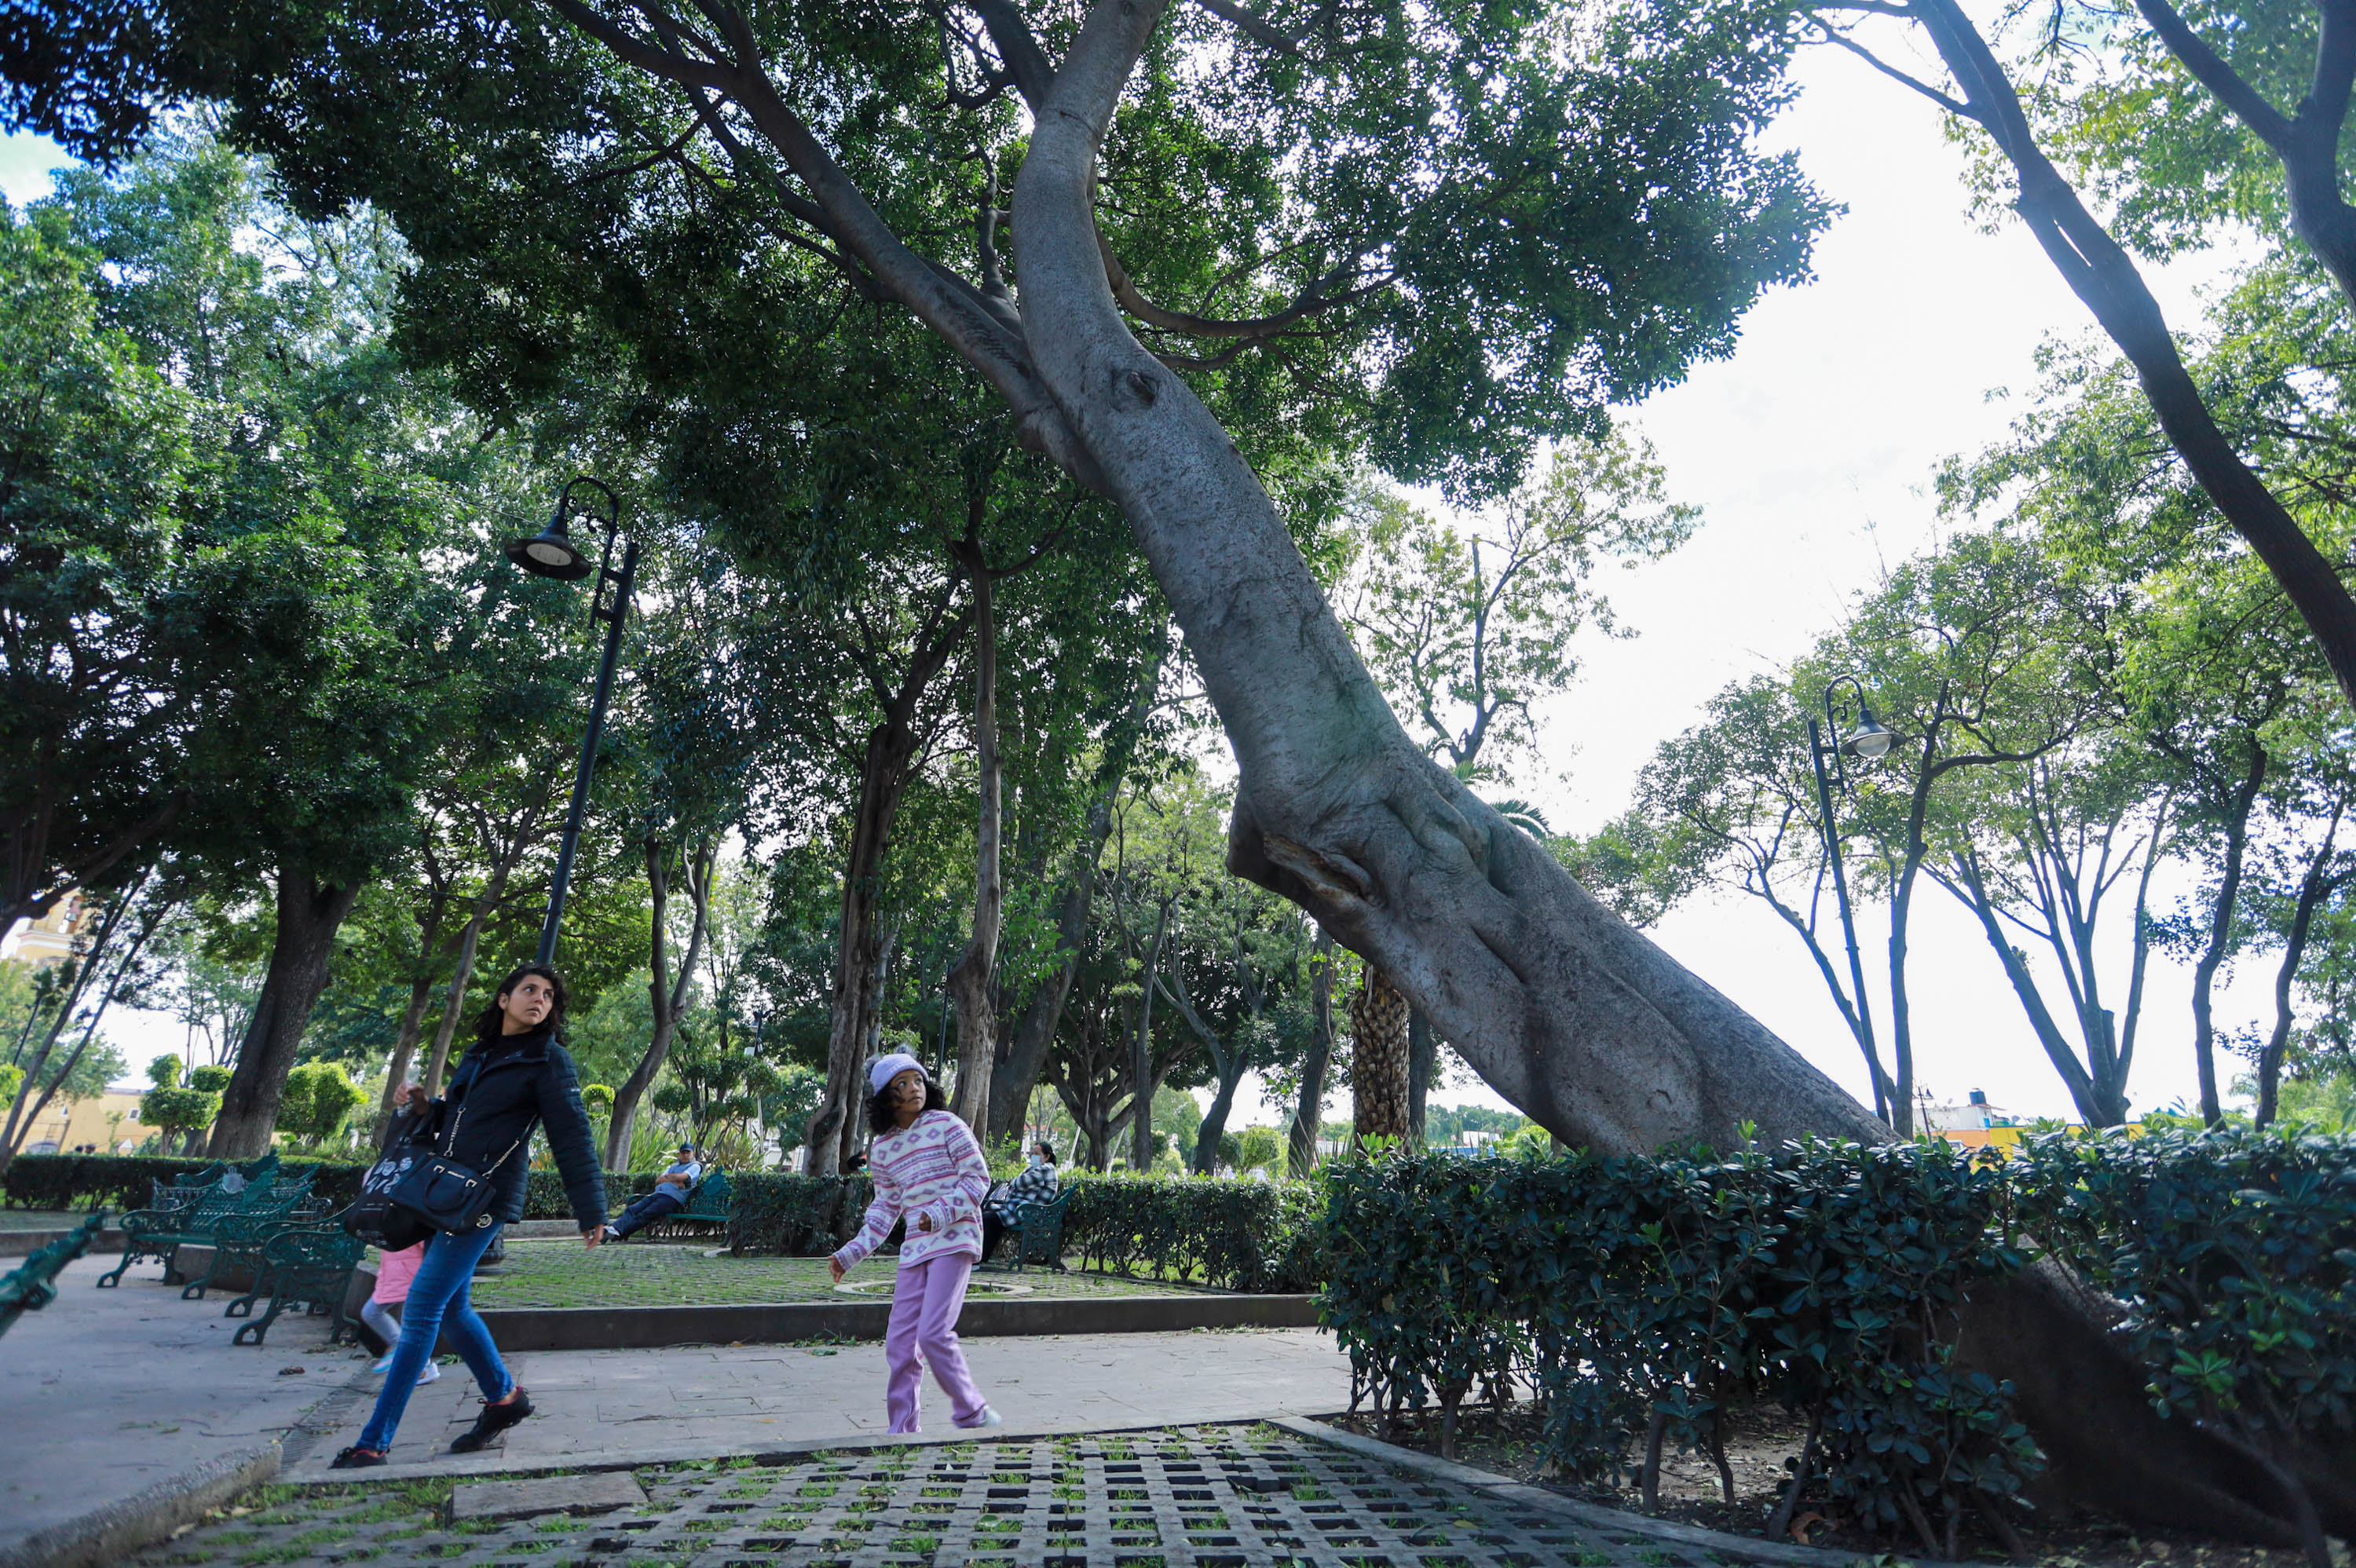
{"points": [[239, 1239], [1038, 1233], [33, 1284], [160, 1234], [707, 1205], [309, 1266]]}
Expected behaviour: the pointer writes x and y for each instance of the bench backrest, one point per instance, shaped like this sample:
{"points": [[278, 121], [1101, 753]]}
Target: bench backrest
{"points": [[711, 1196]]}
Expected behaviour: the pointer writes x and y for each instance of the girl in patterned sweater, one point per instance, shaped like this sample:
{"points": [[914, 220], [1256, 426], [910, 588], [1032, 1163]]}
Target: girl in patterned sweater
{"points": [[929, 1171]]}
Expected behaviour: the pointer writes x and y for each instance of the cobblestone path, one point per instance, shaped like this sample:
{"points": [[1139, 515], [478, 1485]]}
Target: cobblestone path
{"points": [[1218, 1497]]}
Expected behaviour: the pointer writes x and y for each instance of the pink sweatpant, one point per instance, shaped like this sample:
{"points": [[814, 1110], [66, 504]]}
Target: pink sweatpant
{"points": [[926, 1301]]}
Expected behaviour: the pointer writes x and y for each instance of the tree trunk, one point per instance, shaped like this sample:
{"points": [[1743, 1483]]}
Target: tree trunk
{"points": [[1034, 1033], [666, 991], [1561, 1006], [421, 985], [2221, 932], [977, 1017], [2313, 888], [19, 1120], [1300, 1146], [114, 987], [882, 777], [1141, 1141], [1229, 1067], [1378, 1058], [1026, 1055], [462, 975], [309, 914], [1422, 1047]]}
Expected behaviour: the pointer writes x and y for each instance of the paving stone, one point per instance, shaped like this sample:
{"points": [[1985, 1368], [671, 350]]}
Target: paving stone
{"points": [[600, 1493], [1250, 1496]]}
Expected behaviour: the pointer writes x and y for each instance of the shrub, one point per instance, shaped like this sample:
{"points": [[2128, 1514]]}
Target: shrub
{"points": [[1640, 1296], [211, 1080], [2234, 1255], [317, 1100], [797, 1216], [1256, 1236], [127, 1181]]}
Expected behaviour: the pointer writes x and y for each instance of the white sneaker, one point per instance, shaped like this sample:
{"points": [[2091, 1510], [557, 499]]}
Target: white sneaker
{"points": [[989, 1418], [429, 1374]]}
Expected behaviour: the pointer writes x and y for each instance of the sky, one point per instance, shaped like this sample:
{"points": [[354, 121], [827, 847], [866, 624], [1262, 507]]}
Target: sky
{"points": [[1810, 452]]}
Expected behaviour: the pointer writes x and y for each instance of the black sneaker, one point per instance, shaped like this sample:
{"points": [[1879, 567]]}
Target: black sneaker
{"points": [[356, 1459], [494, 1419]]}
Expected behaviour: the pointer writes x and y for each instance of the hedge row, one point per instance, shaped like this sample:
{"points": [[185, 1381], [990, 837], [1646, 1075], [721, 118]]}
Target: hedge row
{"points": [[1640, 1297], [122, 1182], [1235, 1235]]}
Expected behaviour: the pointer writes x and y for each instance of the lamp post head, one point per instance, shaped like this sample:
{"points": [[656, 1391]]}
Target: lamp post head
{"points": [[551, 553], [1870, 740]]}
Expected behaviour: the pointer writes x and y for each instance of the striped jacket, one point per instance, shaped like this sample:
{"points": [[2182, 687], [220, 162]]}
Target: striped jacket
{"points": [[932, 1168]]}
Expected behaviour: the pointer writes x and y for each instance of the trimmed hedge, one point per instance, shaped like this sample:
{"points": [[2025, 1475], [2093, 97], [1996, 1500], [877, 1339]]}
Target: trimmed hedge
{"points": [[1235, 1235], [796, 1216], [1642, 1296], [2234, 1255], [125, 1182]]}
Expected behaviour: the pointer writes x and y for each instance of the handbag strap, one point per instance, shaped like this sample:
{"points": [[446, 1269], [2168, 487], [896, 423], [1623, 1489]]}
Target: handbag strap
{"points": [[450, 1138]]}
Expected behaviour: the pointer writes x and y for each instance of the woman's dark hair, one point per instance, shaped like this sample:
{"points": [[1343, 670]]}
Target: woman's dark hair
{"points": [[880, 1119], [490, 1021], [1047, 1150]]}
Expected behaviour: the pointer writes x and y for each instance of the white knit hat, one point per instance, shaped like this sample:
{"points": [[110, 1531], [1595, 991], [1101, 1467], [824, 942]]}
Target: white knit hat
{"points": [[888, 1067]]}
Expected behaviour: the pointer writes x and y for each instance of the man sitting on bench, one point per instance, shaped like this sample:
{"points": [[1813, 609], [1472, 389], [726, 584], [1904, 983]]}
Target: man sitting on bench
{"points": [[669, 1196]]}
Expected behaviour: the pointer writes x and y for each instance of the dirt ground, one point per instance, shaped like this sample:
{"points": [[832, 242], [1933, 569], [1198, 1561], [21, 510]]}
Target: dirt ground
{"points": [[1758, 1442]]}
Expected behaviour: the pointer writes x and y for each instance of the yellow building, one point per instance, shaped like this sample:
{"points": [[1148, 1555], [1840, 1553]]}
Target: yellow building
{"points": [[56, 935], [110, 1120]]}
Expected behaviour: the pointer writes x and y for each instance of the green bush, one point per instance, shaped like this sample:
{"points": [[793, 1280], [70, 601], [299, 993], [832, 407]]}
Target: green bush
{"points": [[211, 1080], [122, 1182], [1641, 1296], [1258, 1236], [1236, 1235], [797, 1216], [2234, 1254]]}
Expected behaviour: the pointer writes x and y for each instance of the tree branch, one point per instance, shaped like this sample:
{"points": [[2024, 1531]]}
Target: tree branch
{"points": [[2209, 69]]}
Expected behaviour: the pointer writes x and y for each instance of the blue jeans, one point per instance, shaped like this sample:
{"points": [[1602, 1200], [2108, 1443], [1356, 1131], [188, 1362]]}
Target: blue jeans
{"points": [[438, 1303]]}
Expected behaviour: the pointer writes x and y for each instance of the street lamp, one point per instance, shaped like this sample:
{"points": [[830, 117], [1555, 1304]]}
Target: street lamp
{"points": [[552, 553], [1869, 742]]}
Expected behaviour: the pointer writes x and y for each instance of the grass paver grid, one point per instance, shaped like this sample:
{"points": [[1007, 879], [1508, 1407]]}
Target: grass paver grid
{"points": [[566, 1273], [1217, 1497]]}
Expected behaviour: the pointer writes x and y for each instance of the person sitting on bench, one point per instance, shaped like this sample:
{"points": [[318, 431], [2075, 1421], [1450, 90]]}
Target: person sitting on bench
{"points": [[668, 1197], [1004, 1209]]}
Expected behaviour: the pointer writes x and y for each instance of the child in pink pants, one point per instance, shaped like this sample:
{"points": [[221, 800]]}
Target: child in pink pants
{"points": [[929, 1171]]}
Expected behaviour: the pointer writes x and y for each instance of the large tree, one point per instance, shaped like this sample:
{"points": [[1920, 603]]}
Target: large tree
{"points": [[1445, 233]]}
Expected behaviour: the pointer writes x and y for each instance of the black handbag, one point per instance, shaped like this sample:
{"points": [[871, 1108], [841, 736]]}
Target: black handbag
{"points": [[373, 1216], [420, 1192]]}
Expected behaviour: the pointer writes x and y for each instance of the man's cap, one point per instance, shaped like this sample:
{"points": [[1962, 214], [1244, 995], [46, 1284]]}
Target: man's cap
{"points": [[888, 1067]]}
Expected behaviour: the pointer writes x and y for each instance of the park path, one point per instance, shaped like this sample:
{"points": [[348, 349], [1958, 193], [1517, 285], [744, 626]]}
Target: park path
{"points": [[106, 1392]]}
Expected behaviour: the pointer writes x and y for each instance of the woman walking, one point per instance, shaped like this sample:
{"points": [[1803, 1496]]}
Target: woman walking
{"points": [[514, 1077], [929, 1171]]}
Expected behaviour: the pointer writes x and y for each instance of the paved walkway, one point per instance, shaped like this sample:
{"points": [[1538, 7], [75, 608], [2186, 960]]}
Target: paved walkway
{"points": [[105, 1392], [609, 1406]]}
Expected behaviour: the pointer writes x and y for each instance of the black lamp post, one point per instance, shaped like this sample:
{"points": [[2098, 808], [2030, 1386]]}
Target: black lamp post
{"points": [[552, 553], [1869, 742]]}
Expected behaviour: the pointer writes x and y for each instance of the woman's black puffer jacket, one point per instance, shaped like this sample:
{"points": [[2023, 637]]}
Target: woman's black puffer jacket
{"points": [[502, 1089]]}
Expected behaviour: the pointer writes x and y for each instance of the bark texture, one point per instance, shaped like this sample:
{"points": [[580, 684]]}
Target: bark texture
{"points": [[309, 914], [1378, 1058], [1301, 1144]]}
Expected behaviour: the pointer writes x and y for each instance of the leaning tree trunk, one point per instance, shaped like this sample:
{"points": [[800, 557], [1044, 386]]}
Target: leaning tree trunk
{"points": [[977, 1017], [1378, 1058], [309, 913], [1569, 1013]]}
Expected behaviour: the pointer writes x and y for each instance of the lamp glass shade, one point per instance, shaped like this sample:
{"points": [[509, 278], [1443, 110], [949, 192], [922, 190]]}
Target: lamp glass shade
{"points": [[1869, 742], [551, 553]]}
